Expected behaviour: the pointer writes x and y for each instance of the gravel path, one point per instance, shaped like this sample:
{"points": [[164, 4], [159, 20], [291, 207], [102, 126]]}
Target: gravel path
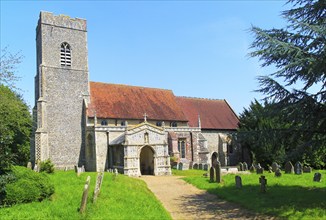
{"points": [[185, 201]]}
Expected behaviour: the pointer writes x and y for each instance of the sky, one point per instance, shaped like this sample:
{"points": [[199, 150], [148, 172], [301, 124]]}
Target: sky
{"points": [[194, 48]]}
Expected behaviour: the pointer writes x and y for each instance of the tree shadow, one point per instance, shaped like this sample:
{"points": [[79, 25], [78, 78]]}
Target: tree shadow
{"points": [[279, 200]]}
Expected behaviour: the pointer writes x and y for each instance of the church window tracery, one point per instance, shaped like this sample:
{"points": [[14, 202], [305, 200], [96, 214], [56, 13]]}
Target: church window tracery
{"points": [[104, 122], [65, 54], [174, 124]]}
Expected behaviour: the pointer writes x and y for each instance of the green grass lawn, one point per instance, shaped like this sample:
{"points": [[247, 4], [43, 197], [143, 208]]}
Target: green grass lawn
{"points": [[121, 197], [289, 196]]}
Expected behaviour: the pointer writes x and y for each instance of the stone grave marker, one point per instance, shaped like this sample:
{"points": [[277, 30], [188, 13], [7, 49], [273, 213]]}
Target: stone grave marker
{"points": [[274, 166], [205, 167], [317, 177], [180, 166], [98, 185], [238, 182], [260, 170], [115, 171], [252, 168], [278, 172], [298, 168], [195, 166], [218, 172], [200, 166], [29, 165], [258, 166], [307, 169], [288, 168], [85, 195], [211, 174], [245, 166], [191, 165], [241, 166], [263, 184]]}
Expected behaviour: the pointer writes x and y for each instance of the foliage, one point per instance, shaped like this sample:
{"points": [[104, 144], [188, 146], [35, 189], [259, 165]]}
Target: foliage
{"points": [[8, 66], [290, 196], [47, 166], [27, 186], [297, 90], [15, 129], [120, 198]]}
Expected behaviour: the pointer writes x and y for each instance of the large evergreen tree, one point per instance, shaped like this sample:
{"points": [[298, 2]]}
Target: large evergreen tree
{"points": [[298, 87]]}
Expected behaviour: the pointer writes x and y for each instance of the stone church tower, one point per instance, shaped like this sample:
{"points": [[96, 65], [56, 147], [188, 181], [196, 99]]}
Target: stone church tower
{"points": [[61, 90]]}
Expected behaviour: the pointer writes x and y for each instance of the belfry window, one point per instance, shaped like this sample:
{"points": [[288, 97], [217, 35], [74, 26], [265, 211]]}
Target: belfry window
{"points": [[65, 54], [182, 148]]}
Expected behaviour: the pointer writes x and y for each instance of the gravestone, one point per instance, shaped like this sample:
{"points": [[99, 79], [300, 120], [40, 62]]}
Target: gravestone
{"points": [[195, 166], [288, 168], [241, 166], [263, 184], [274, 166], [317, 177], [211, 174], [76, 168], [307, 169], [258, 166], [298, 168], [37, 168], [115, 171], [85, 195], [200, 166], [245, 166], [218, 172], [278, 172], [205, 166], [252, 168], [98, 185], [260, 170], [270, 170], [29, 165], [65, 169], [190, 165], [180, 166], [238, 182]]}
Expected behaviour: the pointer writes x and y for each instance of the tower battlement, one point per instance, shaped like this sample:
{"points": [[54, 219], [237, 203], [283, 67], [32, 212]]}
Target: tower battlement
{"points": [[64, 21]]}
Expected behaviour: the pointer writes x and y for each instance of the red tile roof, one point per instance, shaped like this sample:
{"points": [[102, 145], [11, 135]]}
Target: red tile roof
{"points": [[132, 102], [214, 114]]}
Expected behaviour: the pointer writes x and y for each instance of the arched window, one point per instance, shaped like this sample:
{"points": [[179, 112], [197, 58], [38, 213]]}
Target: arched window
{"points": [[182, 148], [159, 124], [123, 123], [174, 124], [65, 54], [104, 122]]}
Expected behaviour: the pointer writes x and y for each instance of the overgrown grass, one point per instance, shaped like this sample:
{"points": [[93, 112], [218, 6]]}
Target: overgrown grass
{"points": [[289, 196], [121, 197]]}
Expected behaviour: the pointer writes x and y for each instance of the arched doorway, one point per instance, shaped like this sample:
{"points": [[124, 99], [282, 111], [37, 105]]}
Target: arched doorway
{"points": [[214, 159], [147, 161]]}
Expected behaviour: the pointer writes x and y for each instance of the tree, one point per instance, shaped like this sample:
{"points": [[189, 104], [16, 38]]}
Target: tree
{"points": [[298, 52], [8, 65], [15, 129], [15, 118]]}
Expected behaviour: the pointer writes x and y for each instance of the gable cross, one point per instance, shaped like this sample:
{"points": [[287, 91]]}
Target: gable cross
{"points": [[145, 117]]}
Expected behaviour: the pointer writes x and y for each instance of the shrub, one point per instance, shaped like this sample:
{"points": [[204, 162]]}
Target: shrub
{"points": [[29, 186], [47, 166]]}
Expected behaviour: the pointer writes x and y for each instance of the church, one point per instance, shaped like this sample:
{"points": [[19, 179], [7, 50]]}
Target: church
{"points": [[136, 130]]}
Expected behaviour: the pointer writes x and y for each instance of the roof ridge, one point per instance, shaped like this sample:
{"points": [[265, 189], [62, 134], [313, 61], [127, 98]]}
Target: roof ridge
{"points": [[119, 84], [190, 97]]}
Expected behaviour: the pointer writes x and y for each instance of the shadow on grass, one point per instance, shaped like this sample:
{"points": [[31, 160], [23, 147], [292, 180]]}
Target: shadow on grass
{"points": [[279, 200], [208, 206]]}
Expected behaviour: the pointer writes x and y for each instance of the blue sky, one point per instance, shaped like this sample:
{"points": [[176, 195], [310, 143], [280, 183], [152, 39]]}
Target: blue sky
{"points": [[195, 48]]}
